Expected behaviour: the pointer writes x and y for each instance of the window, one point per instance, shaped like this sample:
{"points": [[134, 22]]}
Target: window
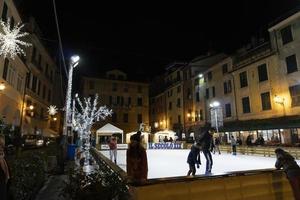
{"points": [[262, 72], [129, 100], [44, 91], [114, 87], [91, 85], [209, 76], [5, 69], [171, 92], [197, 96], [243, 79], [122, 101], [121, 77], [213, 91], [178, 103], [189, 95], [42, 113], [19, 83], [227, 87], [4, 12], [33, 55], [110, 100], [139, 118], [207, 93], [178, 76], [170, 105], [265, 101], [46, 70], [11, 76], [126, 88], [139, 101], [114, 117], [295, 95], [12, 22], [40, 61], [246, 105], [39, 87], [201, 115], [51, 75], [34, 83], [196, 116], [291, 64], [118, 100], [286, 35], [139, 89], [225, 68], [178, 89], [228, 110], [125, 117], [179, 119], [111, 76], [49, 95]]}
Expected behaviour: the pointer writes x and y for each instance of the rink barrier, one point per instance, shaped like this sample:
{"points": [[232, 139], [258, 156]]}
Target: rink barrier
{"points": [[259, 150], [267, 184], [246, 185]]}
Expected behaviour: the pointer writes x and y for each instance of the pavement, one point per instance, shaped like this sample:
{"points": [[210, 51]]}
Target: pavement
{"points": [[53, 187]]}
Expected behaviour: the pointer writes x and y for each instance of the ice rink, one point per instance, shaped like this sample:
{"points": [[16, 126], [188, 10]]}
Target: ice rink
{"points": [[171, 163]]}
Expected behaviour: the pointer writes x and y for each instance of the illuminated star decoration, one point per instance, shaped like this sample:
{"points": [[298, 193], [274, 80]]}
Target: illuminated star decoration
{"points": [[52, 110], [10, 40]]}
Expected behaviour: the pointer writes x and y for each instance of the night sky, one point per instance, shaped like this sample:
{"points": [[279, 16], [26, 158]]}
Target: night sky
{"points": [[141, 39]]}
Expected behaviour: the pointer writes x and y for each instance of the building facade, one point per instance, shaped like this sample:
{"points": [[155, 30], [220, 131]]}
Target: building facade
{"points": [[28, 81], [13, 74], [128, 100]]}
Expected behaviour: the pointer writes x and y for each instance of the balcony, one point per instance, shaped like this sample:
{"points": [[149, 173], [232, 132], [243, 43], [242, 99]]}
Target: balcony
{"points": [[252, 55]]}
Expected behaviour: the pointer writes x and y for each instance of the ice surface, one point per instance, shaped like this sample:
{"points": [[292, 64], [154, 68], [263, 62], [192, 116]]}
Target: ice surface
{"points": [[171, 163]]}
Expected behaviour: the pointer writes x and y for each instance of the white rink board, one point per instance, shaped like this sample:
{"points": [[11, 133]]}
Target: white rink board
{"points": [[171, 163]]}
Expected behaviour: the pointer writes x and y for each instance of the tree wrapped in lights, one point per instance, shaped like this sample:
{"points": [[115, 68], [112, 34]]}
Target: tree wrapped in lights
{"points": [[88, 113]]}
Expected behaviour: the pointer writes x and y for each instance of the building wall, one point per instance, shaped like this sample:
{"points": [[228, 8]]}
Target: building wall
{"points": [[113, 89]]}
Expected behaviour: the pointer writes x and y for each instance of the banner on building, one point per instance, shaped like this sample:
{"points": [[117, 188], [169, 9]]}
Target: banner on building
{"points": [[216, 117]]}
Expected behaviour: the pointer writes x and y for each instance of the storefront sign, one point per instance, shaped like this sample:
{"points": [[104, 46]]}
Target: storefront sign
{"points": [[167, 145], [119, 146]]}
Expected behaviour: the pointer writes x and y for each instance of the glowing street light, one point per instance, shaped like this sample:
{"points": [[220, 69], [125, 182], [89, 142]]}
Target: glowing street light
{"points": [[74, 61], [214, 105], [31, 107]]}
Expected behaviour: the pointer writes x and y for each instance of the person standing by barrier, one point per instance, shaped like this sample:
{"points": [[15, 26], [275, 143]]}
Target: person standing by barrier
{"points": [[194, 159], [4, 171], [207, 145], [291, 168], [136, 160], [113, 149], [216, 145], [233, 145]]}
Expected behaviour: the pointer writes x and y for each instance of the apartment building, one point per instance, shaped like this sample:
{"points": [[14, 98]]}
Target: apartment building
{"points": [[129, 100]]}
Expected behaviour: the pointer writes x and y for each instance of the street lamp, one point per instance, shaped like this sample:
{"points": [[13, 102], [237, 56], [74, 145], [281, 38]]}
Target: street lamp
{"points": [[2, 87], [280, 100], [214, 105], [68, 119]]}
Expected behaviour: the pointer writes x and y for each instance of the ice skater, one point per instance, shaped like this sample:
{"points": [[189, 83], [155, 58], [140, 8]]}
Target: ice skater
{"points": [[291, 168], [206, 142], [113, 149], [233, 145], [194, 159], [216, 145]]}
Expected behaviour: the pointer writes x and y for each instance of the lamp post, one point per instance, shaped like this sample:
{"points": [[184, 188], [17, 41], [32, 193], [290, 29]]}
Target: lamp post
{"points": [[214, 105], [68, 119], [280, 100]]}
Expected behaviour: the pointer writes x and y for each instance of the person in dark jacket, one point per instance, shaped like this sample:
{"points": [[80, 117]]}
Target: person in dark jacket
{"points": [[136, 160], [207, 145], [4, 170], [291, 168], [194, 159]]}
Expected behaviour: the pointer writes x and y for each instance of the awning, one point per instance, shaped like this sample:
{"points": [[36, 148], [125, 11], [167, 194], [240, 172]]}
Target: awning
{"points": [[108, 130], [262, 124]]}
